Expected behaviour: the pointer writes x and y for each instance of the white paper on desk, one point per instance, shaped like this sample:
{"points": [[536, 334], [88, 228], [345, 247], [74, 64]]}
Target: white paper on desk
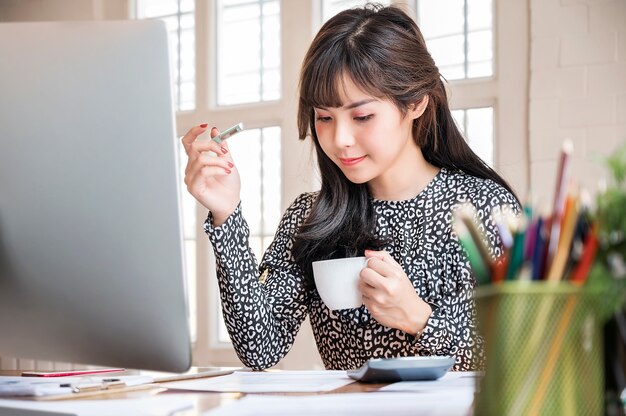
{"points": [[148, 406], [465, 380], [361, 404], [268, 382], [49, 386]]}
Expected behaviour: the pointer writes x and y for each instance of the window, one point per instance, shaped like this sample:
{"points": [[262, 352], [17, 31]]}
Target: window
{"points": [[248, 45], [179, 18], [258, 161], [476, 124], [460, 42], [461, 45], [235, 77]]}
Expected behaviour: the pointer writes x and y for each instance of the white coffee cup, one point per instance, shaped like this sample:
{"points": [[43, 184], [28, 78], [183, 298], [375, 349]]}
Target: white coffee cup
{"points": [[337, 281]]}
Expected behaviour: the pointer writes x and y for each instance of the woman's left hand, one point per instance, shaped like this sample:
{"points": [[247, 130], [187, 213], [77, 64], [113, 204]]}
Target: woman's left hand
{"points": [[390, 296]]}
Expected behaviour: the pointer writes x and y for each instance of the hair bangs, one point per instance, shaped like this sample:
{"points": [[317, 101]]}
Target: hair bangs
{"points": [[326, 87]]}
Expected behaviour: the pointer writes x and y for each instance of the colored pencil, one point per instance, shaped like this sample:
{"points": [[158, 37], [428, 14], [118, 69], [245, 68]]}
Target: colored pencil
{"points": [[476, 261], [499, 267], [539, 249], [557, 267], [466, 215], [563, 178], [517, 251], [531, 238], [590, 247]]}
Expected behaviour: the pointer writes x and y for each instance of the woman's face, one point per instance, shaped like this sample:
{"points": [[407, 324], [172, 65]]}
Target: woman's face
{"points": [[367, 138]]}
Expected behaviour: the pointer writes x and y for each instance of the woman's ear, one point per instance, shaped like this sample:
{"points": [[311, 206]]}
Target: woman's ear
{"points": [[417, 109]]}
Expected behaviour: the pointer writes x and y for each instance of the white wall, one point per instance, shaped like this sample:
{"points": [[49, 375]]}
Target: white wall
{"points": [[577, 87]]}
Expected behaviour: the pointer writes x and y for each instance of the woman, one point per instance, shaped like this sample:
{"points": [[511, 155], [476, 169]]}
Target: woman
{"points": [[394, 168]]}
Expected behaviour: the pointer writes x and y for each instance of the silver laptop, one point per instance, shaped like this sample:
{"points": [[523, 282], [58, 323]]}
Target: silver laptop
{"points": [[91, 261]]}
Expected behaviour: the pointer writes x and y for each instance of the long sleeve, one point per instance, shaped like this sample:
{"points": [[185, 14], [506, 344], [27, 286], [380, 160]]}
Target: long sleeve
{"points": [[264, 306], [452, 327]]}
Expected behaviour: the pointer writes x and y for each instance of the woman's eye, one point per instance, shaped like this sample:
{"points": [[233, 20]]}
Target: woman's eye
{"points": [[364, 118], [323, 119]]}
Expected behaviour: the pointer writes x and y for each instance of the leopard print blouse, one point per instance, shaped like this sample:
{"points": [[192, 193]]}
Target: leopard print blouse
{"points": [[263, 315]]}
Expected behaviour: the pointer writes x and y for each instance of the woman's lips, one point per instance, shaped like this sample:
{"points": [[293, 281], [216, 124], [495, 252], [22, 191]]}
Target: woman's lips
{"points": [[351, 161]]}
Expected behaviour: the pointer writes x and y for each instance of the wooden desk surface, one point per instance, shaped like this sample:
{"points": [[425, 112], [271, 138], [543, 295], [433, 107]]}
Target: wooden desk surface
{"points": [[202, 401]]}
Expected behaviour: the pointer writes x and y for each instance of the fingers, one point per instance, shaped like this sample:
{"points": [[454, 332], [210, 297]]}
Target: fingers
{"points": [[206, 165], [191, 136], [380, 273], [194, 147], [381, 255], [372, 286], [197, 180]]}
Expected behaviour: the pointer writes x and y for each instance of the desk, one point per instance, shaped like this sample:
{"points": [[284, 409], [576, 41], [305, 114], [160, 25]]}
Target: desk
{"points": [[204, 401]]}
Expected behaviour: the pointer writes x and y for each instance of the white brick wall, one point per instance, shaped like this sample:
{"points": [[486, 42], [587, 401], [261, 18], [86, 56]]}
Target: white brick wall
{"points": [[577, 87]]}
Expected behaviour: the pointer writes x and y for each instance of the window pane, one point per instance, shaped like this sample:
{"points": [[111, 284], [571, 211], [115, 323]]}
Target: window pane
{"points": [[461, 43], [479, 46], [156, 8], [479, 15], [248, 49], [476, 124], [257, 157], [271, 80], [447, 51], [479, 54], [332, 7], [441, 18], [271, 180], [247, 152], [179, 19]]}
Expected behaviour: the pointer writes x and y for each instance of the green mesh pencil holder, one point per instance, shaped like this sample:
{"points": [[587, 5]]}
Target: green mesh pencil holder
{"points": [[543, 344]]}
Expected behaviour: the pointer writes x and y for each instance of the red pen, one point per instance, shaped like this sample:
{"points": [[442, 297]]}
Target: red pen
{"points": [[69, 373]]}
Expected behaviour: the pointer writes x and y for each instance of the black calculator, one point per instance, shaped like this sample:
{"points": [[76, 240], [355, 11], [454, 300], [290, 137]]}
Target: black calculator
{"points": [[388, 370]]}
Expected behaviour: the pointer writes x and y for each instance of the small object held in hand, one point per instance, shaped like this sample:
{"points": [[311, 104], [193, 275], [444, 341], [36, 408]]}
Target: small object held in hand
{"points": [[227, 133]]}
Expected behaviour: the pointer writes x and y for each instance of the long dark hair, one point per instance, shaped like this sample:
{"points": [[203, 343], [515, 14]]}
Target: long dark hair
{"points": [[383, 51]]}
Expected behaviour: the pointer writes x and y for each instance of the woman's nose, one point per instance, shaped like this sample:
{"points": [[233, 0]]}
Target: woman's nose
{"points": [[343, 135]]}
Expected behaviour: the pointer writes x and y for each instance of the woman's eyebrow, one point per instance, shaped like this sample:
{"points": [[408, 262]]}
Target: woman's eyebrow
{"points": [[359, 103], [351, 105]]}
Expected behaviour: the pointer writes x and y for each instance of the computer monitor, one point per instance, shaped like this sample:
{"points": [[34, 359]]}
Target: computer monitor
{"points": [[91, 253]]}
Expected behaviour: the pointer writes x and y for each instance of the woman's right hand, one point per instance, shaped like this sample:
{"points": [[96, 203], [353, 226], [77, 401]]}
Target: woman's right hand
{"points": [[212, 179]]}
